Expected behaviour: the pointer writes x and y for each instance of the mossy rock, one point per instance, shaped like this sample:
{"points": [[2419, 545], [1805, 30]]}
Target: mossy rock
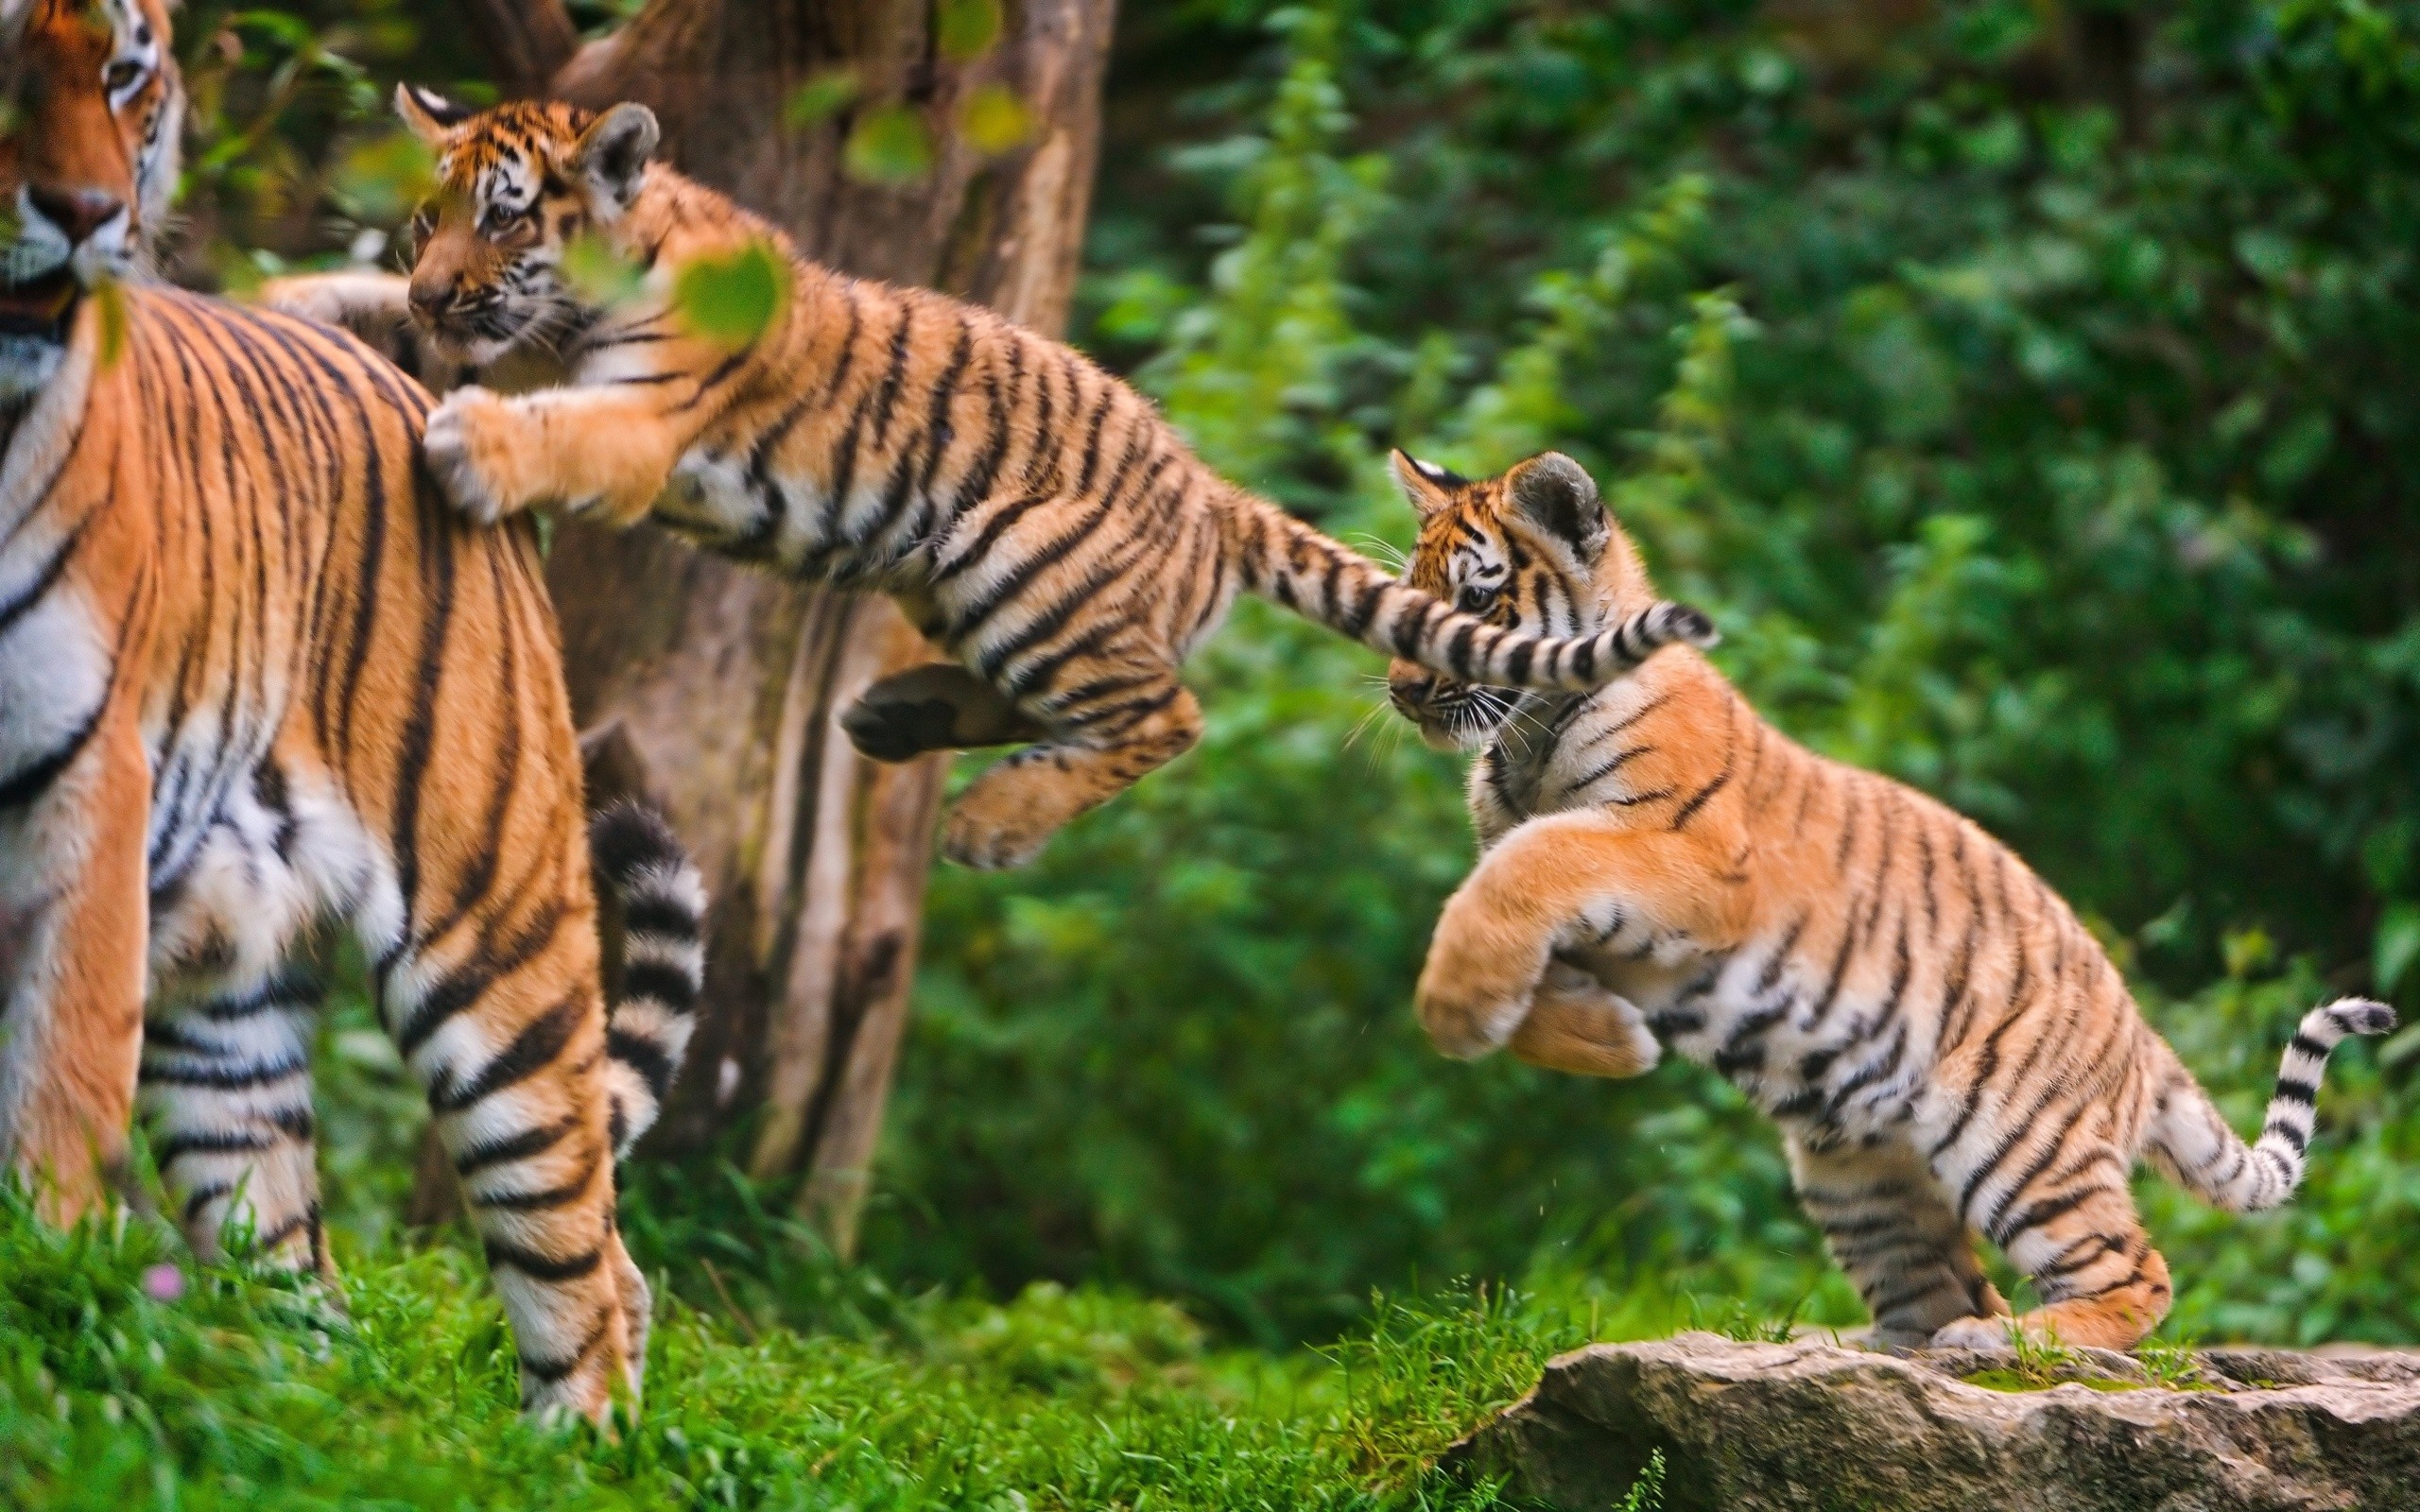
{"points": [[1814, 1426]]}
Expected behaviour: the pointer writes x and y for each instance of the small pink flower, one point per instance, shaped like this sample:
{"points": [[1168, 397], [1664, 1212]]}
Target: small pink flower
{"points": [[164, 1283]]}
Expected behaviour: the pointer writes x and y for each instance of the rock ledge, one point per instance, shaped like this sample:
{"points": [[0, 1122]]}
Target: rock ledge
{"points": [[1805, 1426]]}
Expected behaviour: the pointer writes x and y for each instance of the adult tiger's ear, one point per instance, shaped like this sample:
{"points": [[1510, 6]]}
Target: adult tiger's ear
{"points": [[613, 153], [1556, 493], [1428, 487], [429, 115]]}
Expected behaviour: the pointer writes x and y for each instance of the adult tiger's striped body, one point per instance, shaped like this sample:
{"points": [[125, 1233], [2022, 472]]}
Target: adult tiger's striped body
{"points": [[1945, 1048], [1032, 514], [255, 676]]}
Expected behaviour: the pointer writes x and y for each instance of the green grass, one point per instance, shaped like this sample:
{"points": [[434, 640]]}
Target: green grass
{"points": [[249, 1390]]}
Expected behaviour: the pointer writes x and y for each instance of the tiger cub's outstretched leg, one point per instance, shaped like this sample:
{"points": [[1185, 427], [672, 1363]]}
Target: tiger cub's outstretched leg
{"points": [[938, 706], [226, 1089], [1893, 1230], [1092, 755]]}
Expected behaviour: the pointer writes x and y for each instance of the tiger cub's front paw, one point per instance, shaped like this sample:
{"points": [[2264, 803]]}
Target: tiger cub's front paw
{"points": [[1467, 1013], [1574, 1025], [473, 443]]}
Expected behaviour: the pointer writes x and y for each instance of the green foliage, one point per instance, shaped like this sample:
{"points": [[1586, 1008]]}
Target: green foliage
{"points": [[731, 301], [819, 97], [130, 1379], [889, 144]]}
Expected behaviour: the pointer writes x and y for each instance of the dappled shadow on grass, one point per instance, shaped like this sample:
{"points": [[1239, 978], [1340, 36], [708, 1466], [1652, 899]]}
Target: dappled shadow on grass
{"points": [[130, 1377]]}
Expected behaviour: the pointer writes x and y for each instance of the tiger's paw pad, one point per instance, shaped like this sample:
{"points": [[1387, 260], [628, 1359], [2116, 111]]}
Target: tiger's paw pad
{"points": [[899, 730], [466, 441]]}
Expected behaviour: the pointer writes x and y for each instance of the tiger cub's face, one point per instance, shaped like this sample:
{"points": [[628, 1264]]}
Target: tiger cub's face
{"points": [[90, 110], [1531, 549], [517, 185]]}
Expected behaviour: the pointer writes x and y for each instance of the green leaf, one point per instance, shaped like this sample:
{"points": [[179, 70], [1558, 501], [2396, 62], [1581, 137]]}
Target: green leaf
{"points": [[965, 29], [2246, 950], [598, 273], [2395, 946], [818, 97], [994, 120], [731, 300], [109, 303], [384, 180], [890, 146]]}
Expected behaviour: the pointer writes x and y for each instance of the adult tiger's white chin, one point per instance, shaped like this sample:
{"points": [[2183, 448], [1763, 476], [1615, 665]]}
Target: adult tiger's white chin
{"points": [[36, 318]]}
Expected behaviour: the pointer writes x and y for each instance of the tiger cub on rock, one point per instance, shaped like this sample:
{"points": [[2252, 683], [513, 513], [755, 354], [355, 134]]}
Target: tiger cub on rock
{"points": [[1945, 1048], [1030, 513]]}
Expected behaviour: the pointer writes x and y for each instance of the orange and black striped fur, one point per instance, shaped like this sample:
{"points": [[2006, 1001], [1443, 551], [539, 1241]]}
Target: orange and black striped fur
{"points": [[257, 675], [1033, 515], [1946, 1050]]}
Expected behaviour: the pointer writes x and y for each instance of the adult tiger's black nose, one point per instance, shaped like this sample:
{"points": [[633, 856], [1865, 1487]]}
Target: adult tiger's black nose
{"points": [[76, 213]]}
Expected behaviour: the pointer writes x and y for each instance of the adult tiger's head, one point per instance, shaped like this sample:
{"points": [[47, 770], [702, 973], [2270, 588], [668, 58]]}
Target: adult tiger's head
{"points": [[517, 185], [1531, 549], [90, 109]]}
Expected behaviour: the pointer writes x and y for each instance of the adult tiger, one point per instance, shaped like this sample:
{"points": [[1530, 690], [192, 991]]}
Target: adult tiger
{"points": [[1032, 514], [255, 675], [1944, 1046]]}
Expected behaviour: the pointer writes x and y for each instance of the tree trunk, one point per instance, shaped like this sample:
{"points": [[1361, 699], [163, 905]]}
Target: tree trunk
{"points": [[722, 686]]}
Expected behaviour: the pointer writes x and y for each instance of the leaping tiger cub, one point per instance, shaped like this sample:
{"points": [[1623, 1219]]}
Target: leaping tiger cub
{"points": [[257, 676], [1032, 514], [1945, 1048]]}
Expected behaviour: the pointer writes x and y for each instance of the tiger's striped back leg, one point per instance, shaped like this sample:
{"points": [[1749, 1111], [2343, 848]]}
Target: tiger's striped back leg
{"points": [[1100, 749], [2074, 1232], [539, 1184], [1892, 1229], [503, 1022], [226, 1094]]}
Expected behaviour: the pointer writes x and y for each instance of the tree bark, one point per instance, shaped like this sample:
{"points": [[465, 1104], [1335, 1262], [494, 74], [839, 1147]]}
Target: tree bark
{"points": [[725, 685]]}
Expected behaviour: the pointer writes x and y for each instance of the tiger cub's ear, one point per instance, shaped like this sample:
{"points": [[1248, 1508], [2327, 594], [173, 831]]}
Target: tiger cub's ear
{"points": [[613, 153], [1428, 487], [429, 115], [1556, 494]]}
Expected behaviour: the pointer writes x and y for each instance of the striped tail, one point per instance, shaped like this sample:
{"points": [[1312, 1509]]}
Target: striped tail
{"points": [[2206, 1157], [1285, 560], [664, 961]]}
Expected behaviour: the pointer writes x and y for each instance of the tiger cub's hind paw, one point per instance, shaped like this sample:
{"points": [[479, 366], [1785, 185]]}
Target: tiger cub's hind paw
{"points": [[977, 835], [938, 706]]}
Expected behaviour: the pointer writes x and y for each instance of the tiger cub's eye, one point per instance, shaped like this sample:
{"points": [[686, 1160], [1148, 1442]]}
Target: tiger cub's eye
{"points": [[1475, 599]]}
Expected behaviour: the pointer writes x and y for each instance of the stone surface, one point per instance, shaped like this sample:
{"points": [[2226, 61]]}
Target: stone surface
{"points": [[1812, 1427]]}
